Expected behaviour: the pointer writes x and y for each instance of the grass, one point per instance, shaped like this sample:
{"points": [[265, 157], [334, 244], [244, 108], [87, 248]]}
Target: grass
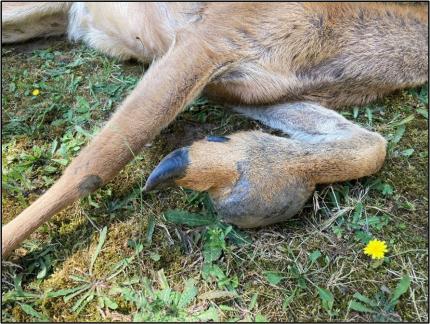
{"points": [[122, 254]]}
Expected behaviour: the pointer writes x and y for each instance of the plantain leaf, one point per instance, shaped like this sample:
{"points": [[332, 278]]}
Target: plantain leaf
{"points": [[261, 318], [423, 113], [102, 240], [327, 298], [253, 302], [209, 314], [314, 256], [236, 236], [364, 299], [401, 288], [81, 302], [398, 134], [150, 229], [189, 293], [109, 303], [289, 299], [273, 277], [404, 121], [183, 217], [32, 312], [43, 270], [162, 280], [64, 292], [78, 278], [84, 287], [359, 307]]}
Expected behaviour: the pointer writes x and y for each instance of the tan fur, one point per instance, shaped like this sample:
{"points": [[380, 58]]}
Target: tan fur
{"points": [[255, 171], [207, 162], [22, 21], [244, 53]]}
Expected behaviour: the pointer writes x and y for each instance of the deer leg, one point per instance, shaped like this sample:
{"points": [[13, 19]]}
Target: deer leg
{"points": [[166, 88], [256, 179]]}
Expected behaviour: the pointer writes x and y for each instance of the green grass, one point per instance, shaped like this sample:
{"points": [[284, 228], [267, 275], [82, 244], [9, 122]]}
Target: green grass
{"points": [[122, 254]]}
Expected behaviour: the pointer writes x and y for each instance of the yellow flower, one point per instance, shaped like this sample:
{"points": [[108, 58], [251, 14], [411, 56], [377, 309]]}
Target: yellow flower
{"points": [[376, 249], [35, 92]]}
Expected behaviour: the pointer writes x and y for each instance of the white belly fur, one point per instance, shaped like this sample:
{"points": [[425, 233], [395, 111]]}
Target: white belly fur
{"points": [[142, 31]]}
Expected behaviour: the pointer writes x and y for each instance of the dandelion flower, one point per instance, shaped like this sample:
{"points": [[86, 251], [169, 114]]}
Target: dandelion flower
{"points": [[35, 92], [376, 249]]}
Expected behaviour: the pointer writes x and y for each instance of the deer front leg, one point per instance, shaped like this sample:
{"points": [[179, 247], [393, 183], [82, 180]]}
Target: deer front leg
{"points": [[166, 88], [256, 179]]}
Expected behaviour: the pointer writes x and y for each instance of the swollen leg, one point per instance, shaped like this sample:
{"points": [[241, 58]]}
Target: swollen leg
{"points": [[253, 178], [256, 179]]}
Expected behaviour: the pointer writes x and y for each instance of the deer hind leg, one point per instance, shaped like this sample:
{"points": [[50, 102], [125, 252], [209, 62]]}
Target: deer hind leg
{"points": [[256, 179], [22, 21]]}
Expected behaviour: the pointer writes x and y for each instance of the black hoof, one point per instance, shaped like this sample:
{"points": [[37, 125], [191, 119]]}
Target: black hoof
{"points": [[170, 168]]}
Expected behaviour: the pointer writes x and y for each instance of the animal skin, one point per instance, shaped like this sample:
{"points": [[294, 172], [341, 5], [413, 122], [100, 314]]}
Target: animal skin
{"points": [[279, 63]]}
